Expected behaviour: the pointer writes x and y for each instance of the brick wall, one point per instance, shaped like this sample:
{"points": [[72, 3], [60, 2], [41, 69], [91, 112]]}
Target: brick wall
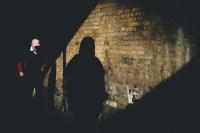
{"points": [[138, 48]]}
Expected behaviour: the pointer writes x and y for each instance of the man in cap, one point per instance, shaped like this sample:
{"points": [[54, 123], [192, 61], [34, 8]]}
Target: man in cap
{"points": [[30, 70]]}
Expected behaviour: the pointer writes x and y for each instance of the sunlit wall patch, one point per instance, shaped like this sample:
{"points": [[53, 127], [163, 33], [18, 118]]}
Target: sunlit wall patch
{"points": [[138, 48]]}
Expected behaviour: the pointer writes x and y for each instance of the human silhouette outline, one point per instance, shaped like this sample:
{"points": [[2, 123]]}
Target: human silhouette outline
{"points": [[85, 85]]}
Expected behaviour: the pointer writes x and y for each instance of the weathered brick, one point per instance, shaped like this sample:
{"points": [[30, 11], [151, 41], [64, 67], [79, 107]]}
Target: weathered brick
{"points": [[138, 55]]}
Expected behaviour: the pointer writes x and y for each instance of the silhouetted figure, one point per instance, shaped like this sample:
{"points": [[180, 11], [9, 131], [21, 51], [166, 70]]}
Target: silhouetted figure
{"points": [[85, 85]]}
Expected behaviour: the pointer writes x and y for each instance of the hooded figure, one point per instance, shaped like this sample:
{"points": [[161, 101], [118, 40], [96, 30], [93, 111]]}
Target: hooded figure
{"points": [[85, 85]]}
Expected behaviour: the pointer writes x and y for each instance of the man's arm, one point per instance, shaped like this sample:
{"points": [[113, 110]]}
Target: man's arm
{"points": [[20, 63], [44, 67], [20, 69], [46, 63]]}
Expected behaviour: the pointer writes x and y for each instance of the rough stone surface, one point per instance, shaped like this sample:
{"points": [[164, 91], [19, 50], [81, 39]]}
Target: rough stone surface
{"points": [[137, 48]]}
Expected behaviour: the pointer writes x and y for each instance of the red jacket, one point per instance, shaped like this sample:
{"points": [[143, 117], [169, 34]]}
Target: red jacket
{"points": [[31, 63]]}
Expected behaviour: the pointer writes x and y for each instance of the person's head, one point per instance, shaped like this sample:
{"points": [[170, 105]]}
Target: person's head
{"points": [[35, 44], [87, 46]]}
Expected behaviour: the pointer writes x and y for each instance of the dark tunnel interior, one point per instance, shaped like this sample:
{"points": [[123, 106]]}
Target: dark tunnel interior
{"points": [[172, 107]]}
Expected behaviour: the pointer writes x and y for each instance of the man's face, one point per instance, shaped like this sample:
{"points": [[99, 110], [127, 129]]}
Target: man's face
{"points": [[36, 48]]}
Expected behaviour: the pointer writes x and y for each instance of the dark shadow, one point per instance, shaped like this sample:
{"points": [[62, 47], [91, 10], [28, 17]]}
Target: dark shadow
{"points": [[172, 107], [39, 115], [85, 86], [56, 23], [176, 13], [51, 88]]}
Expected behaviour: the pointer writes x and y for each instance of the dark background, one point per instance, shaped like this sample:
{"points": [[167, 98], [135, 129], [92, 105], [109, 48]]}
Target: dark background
{"points": [[55, 22]]}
